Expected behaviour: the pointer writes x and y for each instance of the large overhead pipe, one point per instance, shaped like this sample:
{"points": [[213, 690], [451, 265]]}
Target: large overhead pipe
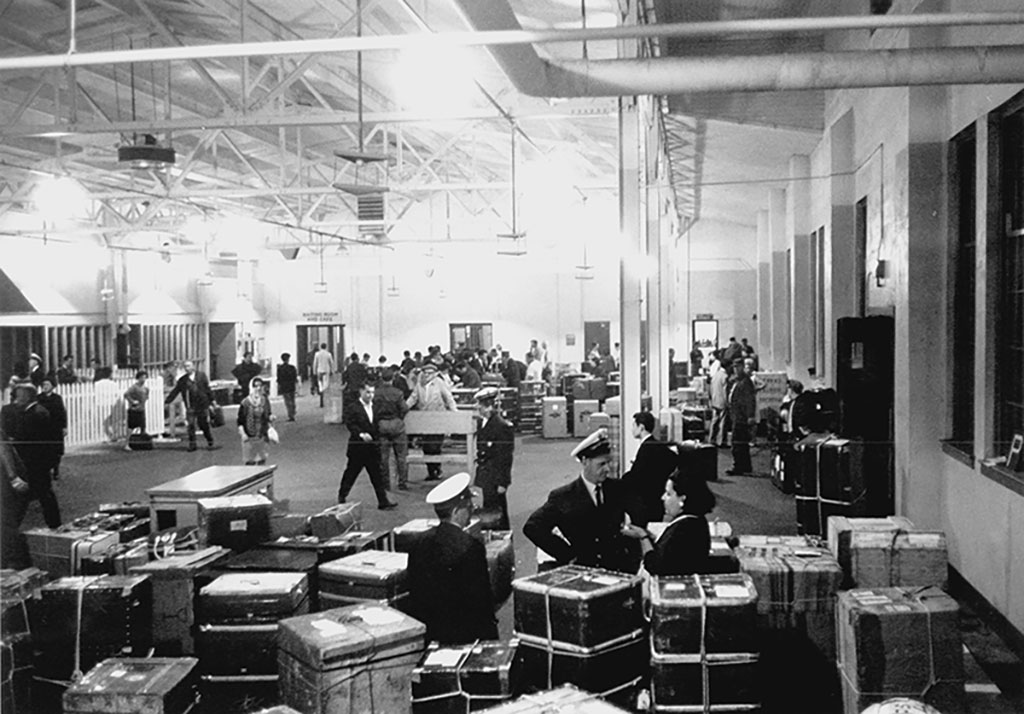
{"points": [[498, 27], [812, 70]]}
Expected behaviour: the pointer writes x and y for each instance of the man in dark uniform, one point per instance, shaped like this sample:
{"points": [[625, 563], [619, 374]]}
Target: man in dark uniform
{"points": [[599, 521], [495, 442], [654, 462], [244, 371], [287, 378], [26, 425], [449, 588], [742, 410], [363, 448]]}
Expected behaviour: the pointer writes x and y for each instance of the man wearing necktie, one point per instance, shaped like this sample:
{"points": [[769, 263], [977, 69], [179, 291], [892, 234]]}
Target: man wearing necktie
{"points": [[593, 520]]}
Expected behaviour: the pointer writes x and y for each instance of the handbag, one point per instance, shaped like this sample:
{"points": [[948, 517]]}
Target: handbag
{"points": [[216, 415], [272, 436]]}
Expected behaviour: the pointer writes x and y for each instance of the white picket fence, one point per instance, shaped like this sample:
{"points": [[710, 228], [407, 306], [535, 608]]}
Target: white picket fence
{"points": [[97, 411]]}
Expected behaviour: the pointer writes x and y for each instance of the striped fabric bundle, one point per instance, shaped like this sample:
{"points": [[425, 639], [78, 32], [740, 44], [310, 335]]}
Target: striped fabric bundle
{"points": [[791, 575]]}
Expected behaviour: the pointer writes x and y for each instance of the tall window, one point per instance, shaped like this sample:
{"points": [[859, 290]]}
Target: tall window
{"points": [[962, 156], [1009, 391], [470, 336]]}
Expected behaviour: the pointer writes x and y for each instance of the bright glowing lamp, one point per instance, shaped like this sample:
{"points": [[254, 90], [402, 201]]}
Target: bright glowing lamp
{"points": [[59, 199]]}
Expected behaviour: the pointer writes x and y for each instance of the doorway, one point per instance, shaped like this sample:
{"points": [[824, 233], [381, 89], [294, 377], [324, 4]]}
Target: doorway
{"points": [[308, 339], [705, 334], [596, 332], [222, 350]]}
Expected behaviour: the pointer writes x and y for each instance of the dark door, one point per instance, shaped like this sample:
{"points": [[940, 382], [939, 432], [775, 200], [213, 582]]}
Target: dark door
{"points": [[222, 350], [599, 332], [308, 339]]}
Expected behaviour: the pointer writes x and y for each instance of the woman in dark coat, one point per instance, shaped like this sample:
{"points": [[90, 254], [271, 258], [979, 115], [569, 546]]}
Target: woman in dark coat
{"points": [[685, 545]]}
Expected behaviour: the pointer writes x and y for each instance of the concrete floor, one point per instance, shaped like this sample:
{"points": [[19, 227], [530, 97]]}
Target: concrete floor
{"points": [[310, 459]]}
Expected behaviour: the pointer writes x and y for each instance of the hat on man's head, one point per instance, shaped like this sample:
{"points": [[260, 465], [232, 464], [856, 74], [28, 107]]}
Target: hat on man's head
{"points": [[428, 367], [597, 444], [24, 384], [36, 357], [487, 394], [450, 491]]}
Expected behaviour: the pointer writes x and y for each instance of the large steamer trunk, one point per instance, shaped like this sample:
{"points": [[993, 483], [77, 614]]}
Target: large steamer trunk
{"points": [[501, 564], [278, 560], [235, 522], [406, 535], [455, 679], [887, 552], [899, 642], [174, 590], [830, 481], [351, 659], [370, 575], [134, 686], [337, 546], [613, 669], [84, 620]]}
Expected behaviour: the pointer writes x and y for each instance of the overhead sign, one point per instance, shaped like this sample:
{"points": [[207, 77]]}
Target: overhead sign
{"points": [[320, 316], [704, 316]]}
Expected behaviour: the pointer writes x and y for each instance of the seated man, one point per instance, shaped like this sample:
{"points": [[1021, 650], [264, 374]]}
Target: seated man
{"points": [[598, 519], [449, 587]]}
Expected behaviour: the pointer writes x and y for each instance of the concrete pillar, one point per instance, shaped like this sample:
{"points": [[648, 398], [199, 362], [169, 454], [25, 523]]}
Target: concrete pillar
{"points": [[988, 229], [764, 289], [840, 246], [630, 279], [798, 228], [658, 297], [780, 280], [920, 413]]}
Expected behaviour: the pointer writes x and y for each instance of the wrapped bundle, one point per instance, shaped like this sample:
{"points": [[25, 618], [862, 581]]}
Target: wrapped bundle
{"points": [[565, 700], [336, 520], [456, 679], [127, 686], [887, 552]]}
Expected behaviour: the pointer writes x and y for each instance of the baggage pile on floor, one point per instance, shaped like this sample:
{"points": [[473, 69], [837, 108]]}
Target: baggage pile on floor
{"points": [[249, 607]]}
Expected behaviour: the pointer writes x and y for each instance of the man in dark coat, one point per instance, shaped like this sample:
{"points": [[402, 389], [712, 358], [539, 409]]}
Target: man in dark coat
{"points": [[36, 373], [600, 523], [53, 403], [26, 425], [363, 448], [495, 443], [655, 461], [194, 388], [287, 378], [742, 411], [449, 588], [244, 371]]}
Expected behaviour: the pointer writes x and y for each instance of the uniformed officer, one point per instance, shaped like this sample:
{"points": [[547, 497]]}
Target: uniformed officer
{"points": [[495, 443], [449, 588], [599, 521]]}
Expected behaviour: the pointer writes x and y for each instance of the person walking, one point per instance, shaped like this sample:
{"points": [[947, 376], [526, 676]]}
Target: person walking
{"points": [[287, 379], [254, 417], [53, 403], [194, 387], [136, 397], [431, 393], [323, 368], [244, 371], [389, 410], [363, 449], [25, 424], [719, 400]]}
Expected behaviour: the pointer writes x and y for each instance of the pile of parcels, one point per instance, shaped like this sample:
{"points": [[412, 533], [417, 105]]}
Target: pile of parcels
{"points": [[309, 611]]}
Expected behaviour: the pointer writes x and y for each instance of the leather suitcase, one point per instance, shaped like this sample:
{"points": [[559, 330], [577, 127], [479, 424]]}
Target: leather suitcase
{"points": [[407, 533], [251, 598], [455, 679], [119, 560], [132, 685], [613, 667], [577, 606], [501, 564], [127, 526], [60, 552], [887, 552], [698, 459], [695, 614], [278, 560], [336, 547], [373, 575], [336, 520], [235, 522], [235, 651], [174, 597], [352, 659], [554, 418], [104, 616], [582, 411], [721, 683]]}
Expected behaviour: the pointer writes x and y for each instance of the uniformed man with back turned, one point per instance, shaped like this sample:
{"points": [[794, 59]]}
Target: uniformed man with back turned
{"points": [[449, 587]]}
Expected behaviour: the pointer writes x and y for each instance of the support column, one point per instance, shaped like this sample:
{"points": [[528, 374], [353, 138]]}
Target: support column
{"points": [[987, 229], [798, 212], [840, 245], [780, 282], [764, 289], [630, 280]]}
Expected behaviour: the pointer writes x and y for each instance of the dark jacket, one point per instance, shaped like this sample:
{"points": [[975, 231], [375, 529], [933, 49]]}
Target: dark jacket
{"points": [[683, 548], [244, 372], [653, 464], [743, 400], [195, 391], [449, 588], [495, 444], [354, 417], [355, 376], [27, 428], [389, 403], [58, 422], [470, 379], [287, 378], [591, 536]]}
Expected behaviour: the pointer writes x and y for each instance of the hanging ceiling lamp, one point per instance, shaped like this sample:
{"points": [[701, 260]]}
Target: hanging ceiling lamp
{"points": [[513, 243]]}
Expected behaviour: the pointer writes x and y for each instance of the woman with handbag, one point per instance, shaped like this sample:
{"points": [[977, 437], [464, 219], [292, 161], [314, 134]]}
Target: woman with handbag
{"points": [[254, 427]]}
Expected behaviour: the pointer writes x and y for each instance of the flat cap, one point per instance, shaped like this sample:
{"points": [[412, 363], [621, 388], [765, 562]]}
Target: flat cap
{"points": [[452, 489], [487, 394], [597, 444], [428, 367]]}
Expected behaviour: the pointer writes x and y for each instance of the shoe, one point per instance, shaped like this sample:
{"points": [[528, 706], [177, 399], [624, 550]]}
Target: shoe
{"points": [[291, 418], [127, 448], [389, 506], [733, 472], [433, 477], [212, 447], [191, 447], [403, 487]]}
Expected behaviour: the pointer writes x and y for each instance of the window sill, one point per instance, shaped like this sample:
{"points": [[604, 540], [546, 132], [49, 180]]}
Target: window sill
{"points": [[1002, 475], [953, 449]]}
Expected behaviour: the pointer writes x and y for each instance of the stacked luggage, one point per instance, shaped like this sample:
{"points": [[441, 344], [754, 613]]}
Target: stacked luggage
{"points": [[828, 481], [702, 646], [464, 678], [131, 685], [530, 407], [370, 576], [582, 626]]}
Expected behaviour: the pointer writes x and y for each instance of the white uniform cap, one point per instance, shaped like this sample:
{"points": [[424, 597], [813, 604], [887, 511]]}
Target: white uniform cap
{"points": [[451, 489], [597, 444]]}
